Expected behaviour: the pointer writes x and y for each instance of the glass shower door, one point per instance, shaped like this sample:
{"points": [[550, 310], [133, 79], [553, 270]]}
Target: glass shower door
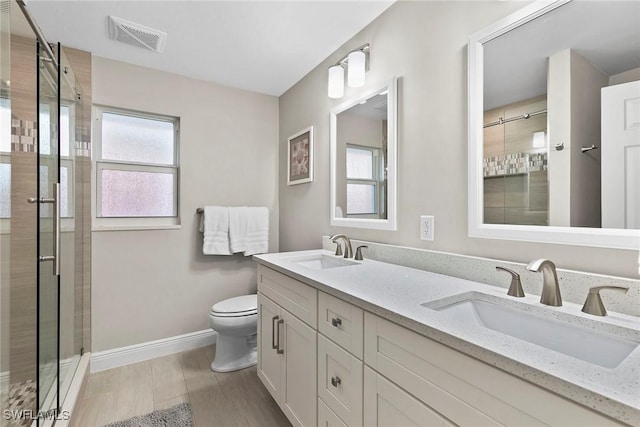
{"points": [[48, 233]]}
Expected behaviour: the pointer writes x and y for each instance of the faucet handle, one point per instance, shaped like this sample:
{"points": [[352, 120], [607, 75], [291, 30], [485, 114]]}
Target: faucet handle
{"points": [[338, 248], [515, 289], [359, 252], [594, 305]]}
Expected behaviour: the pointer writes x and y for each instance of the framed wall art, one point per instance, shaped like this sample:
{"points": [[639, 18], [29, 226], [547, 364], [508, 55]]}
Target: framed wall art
{"points": [[300, 157]]}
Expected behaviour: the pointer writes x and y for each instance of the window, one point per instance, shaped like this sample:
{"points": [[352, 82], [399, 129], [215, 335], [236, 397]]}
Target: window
{"points": [[5, 158], [136, 168], [363, 172]]}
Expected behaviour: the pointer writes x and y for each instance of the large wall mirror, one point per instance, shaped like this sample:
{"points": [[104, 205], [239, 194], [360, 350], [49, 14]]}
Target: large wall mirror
{"points": [[363, 160], [554, 125]]}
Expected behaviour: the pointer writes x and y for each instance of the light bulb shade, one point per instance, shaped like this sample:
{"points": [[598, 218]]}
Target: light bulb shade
{"points": [[336, 81], [356, 61]]}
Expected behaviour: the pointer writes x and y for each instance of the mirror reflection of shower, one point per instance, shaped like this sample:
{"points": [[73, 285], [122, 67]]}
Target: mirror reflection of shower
{"points": [[515, 164]]}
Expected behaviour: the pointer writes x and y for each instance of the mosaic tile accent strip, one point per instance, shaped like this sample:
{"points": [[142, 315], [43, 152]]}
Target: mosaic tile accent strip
{"points": [[22, 397], [24, 134], [514, 164], [83, 149]]}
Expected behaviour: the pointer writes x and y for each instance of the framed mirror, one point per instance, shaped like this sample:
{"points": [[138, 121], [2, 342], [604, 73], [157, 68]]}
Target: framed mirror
{"points": [[364, 148], [554, 125]]}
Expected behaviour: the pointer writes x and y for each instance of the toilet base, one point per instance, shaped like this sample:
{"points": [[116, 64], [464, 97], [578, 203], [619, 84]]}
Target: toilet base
{"points": [[234, 353]]}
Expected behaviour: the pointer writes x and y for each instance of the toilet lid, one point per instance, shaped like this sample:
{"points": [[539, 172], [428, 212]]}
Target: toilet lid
{"points": [[238, 306]]}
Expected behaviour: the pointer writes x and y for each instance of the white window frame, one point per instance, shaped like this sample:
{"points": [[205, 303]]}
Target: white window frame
{"points": [[376, 165], [101, 223]]}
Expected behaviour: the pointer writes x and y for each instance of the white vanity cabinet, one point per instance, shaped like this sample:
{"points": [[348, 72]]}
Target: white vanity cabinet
{"points": [[457, 388], [328, 362], [287, 344]]}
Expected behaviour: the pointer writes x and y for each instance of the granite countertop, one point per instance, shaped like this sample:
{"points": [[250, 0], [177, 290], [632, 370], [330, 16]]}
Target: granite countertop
{"points": [[397, 293]]}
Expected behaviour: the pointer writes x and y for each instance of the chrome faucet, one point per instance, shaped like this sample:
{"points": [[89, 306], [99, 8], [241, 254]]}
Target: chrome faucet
{"points": [[550, 287], [348, 250]]}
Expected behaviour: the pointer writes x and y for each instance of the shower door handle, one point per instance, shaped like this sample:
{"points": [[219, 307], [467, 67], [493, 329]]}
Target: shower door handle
{"points": [[55, 201]]}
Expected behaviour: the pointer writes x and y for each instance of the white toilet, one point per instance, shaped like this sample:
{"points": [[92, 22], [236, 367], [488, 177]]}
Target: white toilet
{"points": [[235, 320]]}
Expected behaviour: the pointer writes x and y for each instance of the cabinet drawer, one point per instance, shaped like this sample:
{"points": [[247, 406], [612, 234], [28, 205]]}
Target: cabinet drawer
{"points": [[461, 388], [327, 418], [388, 405], [340, 381], [297, 298], [342, 322]]}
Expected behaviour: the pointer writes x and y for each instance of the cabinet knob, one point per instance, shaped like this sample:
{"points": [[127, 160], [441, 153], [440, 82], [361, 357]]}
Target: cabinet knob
{"points": [[335, 381], [336, 321]]}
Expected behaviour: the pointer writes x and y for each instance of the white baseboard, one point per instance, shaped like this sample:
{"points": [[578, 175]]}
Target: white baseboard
{"points": [[122, 356]]}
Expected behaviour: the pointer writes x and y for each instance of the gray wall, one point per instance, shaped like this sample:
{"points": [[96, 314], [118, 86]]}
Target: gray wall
{"points": [[153, 284], [424, 44]]}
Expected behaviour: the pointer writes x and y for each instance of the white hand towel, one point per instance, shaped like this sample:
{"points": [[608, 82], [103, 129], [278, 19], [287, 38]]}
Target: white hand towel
{"points": [[257, 241], [215, 225], [238, 228]]}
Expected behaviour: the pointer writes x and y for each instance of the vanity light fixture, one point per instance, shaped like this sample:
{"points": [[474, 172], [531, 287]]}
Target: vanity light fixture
{"points": [[356, 61], [336, 81], [357, 64]]}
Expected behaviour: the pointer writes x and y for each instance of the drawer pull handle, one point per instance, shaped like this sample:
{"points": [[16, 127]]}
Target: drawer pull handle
{"points": [[336, 321], [279, 350], [335, 381], [274, 346]]}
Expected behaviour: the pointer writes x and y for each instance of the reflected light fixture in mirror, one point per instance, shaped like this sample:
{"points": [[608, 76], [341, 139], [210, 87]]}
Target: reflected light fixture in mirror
{"points": [[356, 63]]}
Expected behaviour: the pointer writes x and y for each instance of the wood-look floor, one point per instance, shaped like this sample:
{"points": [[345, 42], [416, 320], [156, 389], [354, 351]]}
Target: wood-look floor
{"points": [[217, 399]]}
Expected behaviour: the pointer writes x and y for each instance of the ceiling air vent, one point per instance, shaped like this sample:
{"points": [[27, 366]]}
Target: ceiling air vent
{"points": [[136, 35]]}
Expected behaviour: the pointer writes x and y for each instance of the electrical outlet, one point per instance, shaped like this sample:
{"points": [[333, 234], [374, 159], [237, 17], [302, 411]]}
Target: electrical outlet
{"points": [[427, 227]]}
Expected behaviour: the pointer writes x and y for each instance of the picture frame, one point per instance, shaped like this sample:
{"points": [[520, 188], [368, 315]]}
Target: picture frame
{"points": [[300, 157]]}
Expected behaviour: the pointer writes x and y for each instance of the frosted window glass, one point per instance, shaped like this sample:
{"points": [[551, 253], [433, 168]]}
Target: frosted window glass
{"points": [[64, 192], [5, 190], [5, 125], [359, 164], [131, 193], [65, 135], [136, 139], [361, 198], [44, 130]]}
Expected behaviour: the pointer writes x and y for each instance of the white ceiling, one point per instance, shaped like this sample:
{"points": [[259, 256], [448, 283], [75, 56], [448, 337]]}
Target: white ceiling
{"points": [[606, 33], [262, 46]]}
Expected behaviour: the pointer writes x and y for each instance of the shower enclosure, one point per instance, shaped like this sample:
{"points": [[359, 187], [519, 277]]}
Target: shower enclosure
{"points": [[44, 221], [515, 157]]}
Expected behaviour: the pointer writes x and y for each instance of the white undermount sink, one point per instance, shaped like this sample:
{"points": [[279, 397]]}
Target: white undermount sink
{"points": [[322, 261], [517, 320]]}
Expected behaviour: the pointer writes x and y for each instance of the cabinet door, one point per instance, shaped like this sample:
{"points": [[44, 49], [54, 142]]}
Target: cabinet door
{"points": [[269, 361], [340, 381], [327, 418], [299, 373], [386, 404]]}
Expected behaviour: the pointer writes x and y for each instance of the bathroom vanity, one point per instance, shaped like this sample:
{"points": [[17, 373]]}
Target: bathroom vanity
{"points": [[352, 343]]}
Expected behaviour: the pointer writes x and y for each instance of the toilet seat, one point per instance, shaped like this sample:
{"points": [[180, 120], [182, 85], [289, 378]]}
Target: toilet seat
{"points": [[245, 305]]}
